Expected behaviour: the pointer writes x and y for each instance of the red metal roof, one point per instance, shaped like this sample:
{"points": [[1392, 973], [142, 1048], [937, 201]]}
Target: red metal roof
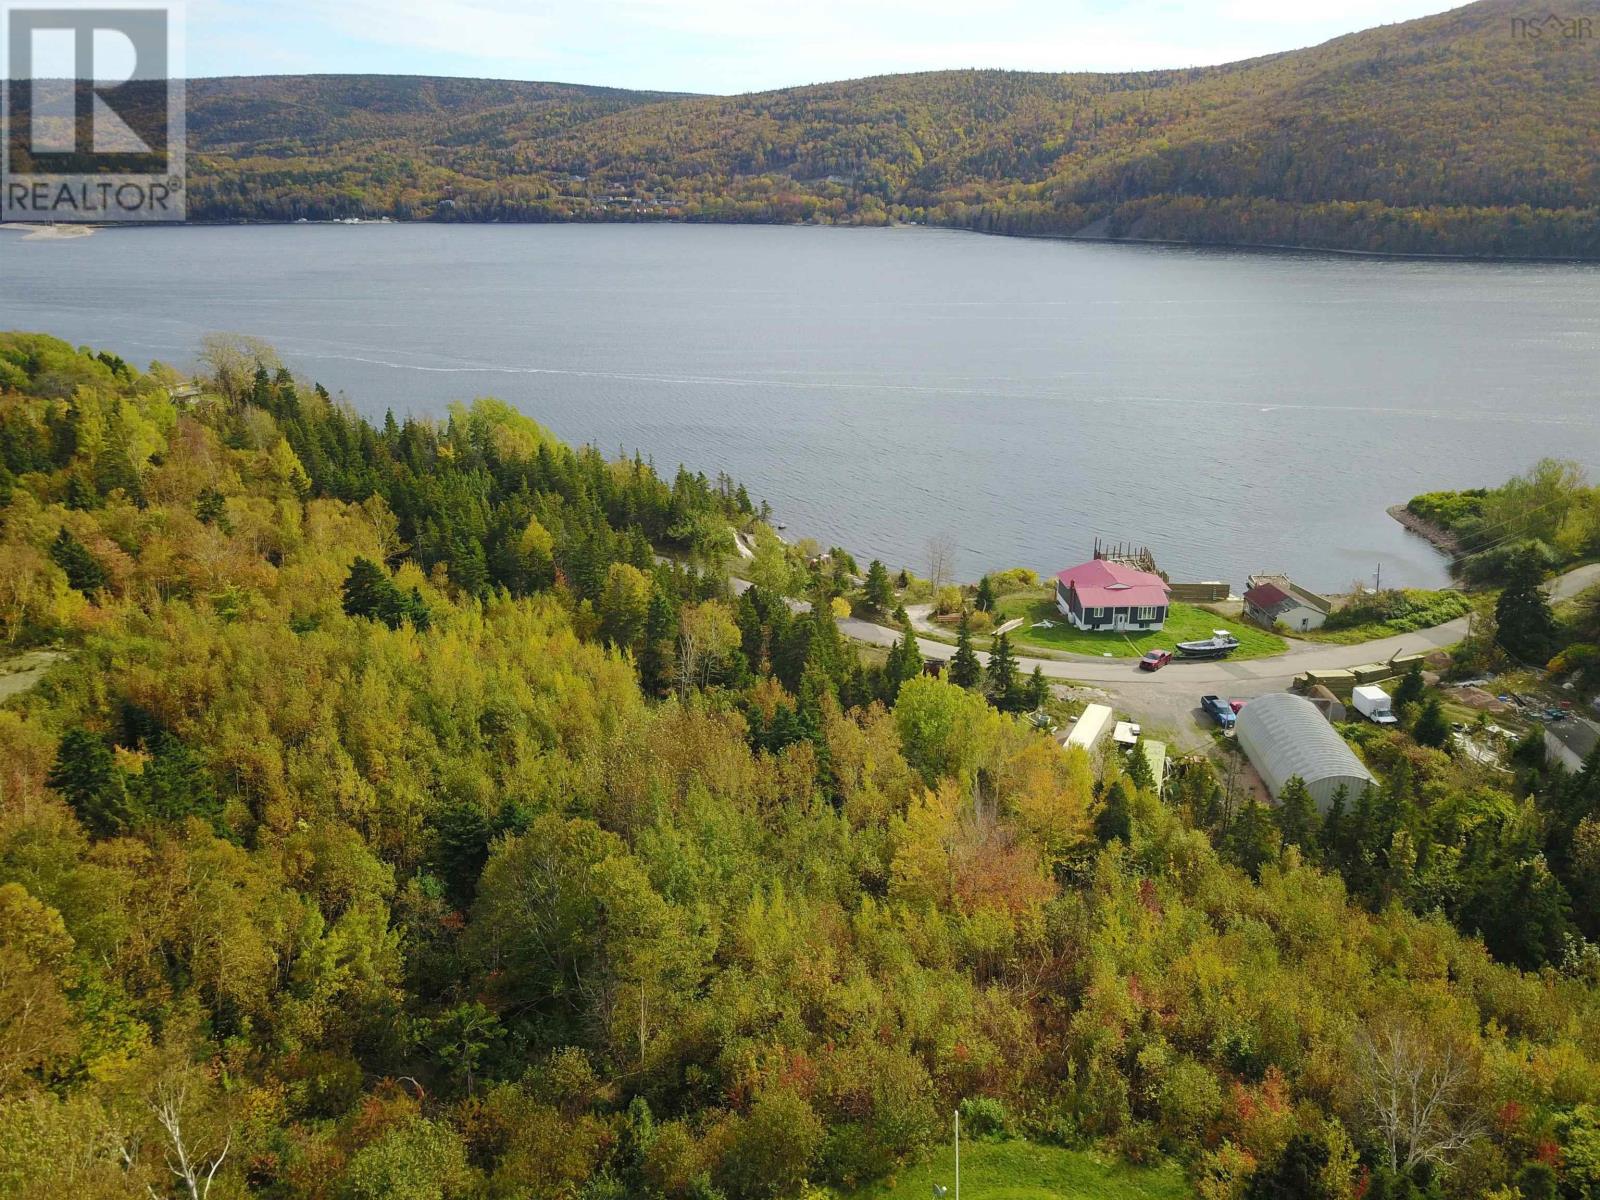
{"points": [[1265, 596], [1100, 583]]}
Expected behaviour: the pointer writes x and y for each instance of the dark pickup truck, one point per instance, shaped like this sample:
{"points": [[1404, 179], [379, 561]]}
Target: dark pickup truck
{"points": [[1219, 709]]}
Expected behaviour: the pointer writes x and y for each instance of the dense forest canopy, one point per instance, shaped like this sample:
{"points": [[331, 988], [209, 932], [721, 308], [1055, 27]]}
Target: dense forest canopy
{"points": [[1457, 134], [414, 812]]}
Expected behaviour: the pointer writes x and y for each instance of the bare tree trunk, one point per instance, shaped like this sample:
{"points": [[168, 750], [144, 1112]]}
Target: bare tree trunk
{"points": [[1416, 1095], [194, 1167]]}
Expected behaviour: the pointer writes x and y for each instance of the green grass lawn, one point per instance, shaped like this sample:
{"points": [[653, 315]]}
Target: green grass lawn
{"points": [[1024, 1171], [1185, 623], [1428, 609]]}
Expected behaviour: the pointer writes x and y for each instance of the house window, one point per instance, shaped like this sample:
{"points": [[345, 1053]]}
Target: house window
{"points": [[1148, 613]]}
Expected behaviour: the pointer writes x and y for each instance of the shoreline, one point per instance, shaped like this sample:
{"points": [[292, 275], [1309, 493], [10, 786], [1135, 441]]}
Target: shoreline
{"points": [[1437, 536], [1087, 239]]}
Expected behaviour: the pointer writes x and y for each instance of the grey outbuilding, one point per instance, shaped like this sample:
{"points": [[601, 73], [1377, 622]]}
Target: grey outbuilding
{"points": [[1284, 736]]}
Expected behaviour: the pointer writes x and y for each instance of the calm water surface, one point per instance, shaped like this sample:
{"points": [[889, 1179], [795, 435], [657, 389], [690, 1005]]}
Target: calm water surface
{"points": [[1237, 411]]}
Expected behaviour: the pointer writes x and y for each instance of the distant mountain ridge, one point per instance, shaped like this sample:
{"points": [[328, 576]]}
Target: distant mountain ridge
{"points": [[1462, 133]]}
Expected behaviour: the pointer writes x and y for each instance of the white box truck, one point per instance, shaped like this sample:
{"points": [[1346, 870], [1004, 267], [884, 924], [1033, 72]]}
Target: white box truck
{"points": [[1373, 703]]}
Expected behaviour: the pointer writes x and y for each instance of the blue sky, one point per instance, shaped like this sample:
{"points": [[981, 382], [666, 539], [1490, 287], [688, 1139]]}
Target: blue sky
{"points": [[748, 45]]}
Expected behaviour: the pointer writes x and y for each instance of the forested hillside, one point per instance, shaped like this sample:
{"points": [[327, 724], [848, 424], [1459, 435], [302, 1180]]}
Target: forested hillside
{"points": [[1461, 134], [414, 813]]}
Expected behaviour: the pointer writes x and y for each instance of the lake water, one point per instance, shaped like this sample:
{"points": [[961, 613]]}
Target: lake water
{"points": [[1236, 411]]}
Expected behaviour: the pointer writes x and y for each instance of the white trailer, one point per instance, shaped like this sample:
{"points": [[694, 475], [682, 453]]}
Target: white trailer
{"points": [[1372, 703], [1091, 726]]}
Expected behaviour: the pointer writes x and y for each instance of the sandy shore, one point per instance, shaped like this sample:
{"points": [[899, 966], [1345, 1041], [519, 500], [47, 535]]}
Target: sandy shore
{"points": [[49, 233]]}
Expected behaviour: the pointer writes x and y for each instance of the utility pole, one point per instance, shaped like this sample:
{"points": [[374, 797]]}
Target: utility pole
{"points": [[1377, 580], [958, 1154]]}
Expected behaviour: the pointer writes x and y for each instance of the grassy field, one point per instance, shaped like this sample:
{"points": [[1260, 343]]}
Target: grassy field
{"points": [[1428, 609], [1023, 1171], [1185, 623]]}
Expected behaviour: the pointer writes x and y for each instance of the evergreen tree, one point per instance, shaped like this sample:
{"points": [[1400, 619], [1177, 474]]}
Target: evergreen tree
{"points": [[174, 783], [1114, 822], [752, 633], [1522, 912], [1251, 841], [965, 670], [370, 593], [469, 570], [415, 610], [86, 773], [1359, 844], [1431, 729], [1296, 1175], [1297, 814], [365, 588], [655, 651], [1524, 624], [1410, 690], [983, 601], [1038, 693], [114, 471], [1332, 834], [877, 592], [1003, 675], [84, 571], [791, 645], [80, 496], [209, 509], [824, 649], [905, 661], [1139, 769]]}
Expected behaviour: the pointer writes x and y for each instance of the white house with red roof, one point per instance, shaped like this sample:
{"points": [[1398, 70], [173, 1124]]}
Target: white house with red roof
{"points": [[1105, 595], [1274, 600]]}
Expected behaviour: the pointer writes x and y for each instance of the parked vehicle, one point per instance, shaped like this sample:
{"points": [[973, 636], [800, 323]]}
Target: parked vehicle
{"points": [[1155, 660], [1373, 703], [1220, 644], [1220, 710]]}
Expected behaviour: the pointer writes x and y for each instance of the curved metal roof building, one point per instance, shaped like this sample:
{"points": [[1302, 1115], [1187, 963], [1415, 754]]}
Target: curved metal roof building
{"points": [[1285, 736]]}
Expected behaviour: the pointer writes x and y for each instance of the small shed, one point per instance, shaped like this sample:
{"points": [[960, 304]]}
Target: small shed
{"points": [[1329, 705], [1277, 600], [1285, 736]]}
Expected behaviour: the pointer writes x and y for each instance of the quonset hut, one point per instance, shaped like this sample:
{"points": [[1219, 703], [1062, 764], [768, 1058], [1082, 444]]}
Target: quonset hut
{"points": [[1285, 736]]}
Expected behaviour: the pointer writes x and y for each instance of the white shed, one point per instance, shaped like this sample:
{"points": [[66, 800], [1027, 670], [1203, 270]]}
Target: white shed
{"points": [[1285, 736]]}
